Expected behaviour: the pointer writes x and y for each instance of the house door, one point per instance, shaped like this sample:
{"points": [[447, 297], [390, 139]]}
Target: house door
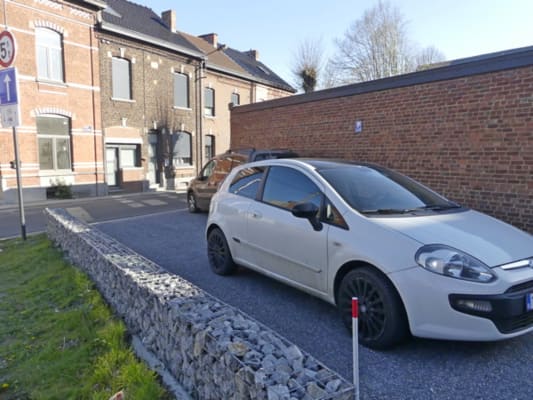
{"points": [[152, 159], [111, 169]]}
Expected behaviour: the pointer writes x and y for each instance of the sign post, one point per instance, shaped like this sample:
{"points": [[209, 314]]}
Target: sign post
{"points": [[10, 108], [355, 336]]}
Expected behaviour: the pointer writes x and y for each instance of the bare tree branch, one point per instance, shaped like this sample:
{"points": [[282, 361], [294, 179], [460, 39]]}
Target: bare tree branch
{"points": [[308, 60], [376, 46]]}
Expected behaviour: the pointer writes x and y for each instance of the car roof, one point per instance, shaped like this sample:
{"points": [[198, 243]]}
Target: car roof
{"points": [[317, 163]]}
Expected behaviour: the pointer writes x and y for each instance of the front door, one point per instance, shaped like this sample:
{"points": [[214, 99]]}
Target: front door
{"points": [[111, 169], [281, 243], [152, 159]]}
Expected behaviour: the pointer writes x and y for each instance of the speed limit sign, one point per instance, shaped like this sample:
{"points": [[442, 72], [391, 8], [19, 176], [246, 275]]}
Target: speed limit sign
{"points": [[7, 49]]}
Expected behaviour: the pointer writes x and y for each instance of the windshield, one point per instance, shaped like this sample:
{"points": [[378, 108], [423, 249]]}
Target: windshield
{"points": [[372, 189]]}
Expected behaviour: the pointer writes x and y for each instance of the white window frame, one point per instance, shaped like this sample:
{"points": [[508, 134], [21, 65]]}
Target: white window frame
{"points": [[211, 110], [178, 161], [187, 94], [53, 71], [54, 139], [117, 80]]}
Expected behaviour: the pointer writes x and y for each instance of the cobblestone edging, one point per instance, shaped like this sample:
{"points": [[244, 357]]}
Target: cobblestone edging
{"points": [[214, 350]]}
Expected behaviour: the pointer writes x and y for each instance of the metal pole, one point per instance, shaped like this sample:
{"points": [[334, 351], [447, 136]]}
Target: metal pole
{"points": [[19, 185], [355, 334]]}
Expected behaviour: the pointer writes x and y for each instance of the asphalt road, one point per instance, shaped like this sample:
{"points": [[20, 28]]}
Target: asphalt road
{"points": [[420, 369], [90, 210]]}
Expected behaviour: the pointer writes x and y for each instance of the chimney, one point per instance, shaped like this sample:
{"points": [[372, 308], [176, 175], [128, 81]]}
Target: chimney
{"points": [[211, 38], [254, 54], [169, 18]]}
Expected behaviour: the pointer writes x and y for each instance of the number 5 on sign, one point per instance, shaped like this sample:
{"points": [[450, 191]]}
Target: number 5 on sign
{"points": [[7, 49]]}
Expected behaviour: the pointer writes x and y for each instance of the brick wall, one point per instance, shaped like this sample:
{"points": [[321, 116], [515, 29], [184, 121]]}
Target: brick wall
{"points": [[469, 138]]}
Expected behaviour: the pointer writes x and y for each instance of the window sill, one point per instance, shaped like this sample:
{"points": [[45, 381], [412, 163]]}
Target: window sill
{"points": [[52, 82], [131, 168], [55, 172], [180, 167], [210, 116], [123, 100], [182, 108]]}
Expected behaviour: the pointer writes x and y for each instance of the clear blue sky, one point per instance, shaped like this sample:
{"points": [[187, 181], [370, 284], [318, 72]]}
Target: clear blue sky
{"points": [[458, 28]]}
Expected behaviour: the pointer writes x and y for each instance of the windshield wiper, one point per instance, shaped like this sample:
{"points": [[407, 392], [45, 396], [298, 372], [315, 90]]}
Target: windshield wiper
{"points": [[434, 207], [385, 211]]}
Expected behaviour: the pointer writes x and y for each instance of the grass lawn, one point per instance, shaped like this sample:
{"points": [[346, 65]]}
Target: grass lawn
{"points": [[58, 339]]}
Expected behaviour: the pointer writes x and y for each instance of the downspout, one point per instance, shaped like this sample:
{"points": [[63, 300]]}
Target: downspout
{"points": [[102, 127], [199, 106], [91, 33]]}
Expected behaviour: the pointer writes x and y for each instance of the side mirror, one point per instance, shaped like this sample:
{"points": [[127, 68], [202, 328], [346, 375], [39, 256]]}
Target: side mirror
{"points": [[308, 211]]}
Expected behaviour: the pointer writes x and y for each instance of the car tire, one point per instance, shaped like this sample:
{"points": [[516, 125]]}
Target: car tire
{"points": [[382, 320], [218, 253], [192, 204]]}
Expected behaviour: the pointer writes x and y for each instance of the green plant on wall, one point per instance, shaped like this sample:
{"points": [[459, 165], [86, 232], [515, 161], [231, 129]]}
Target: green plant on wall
{"points": [[59, 189]]}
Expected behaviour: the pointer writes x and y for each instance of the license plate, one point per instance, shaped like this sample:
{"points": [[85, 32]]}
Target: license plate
{"points": [[529, 302]]}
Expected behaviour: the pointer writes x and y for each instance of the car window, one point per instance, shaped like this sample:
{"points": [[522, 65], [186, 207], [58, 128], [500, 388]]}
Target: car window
{"points": [[208, 169], [333, 216], [368, 188], [285, 187], [246, 183]]}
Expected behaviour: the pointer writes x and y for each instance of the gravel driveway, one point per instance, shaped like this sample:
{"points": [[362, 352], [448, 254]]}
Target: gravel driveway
{"points": [[420, 369]]}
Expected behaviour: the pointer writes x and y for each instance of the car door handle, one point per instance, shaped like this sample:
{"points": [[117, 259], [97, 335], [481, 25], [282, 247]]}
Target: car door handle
{"points": [[257, 214]]}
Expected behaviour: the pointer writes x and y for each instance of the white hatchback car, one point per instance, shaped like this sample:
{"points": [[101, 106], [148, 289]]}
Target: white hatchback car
{"points": [[418, 262]]}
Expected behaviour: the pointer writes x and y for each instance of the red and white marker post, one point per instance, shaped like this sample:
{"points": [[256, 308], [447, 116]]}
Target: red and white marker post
{"points": [[355, 336]]}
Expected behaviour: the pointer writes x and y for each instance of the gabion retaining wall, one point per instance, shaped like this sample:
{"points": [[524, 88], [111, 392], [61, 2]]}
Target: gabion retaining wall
{"points": [[214, 350]]}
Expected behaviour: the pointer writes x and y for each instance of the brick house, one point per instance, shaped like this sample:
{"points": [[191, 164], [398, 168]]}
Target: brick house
{"points": [[59, 135], [165, 97], [464, 128]]}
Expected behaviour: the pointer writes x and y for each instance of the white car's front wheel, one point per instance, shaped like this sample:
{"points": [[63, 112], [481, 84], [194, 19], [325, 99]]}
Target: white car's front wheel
{"points": [[382, 319]]}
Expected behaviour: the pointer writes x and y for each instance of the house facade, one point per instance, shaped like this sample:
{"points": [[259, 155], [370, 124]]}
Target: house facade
{"points": [[166, 97], [59, 135], [114, 97]]}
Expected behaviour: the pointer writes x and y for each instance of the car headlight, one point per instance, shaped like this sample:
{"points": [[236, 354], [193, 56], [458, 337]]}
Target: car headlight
{"points": [[454, 263]]}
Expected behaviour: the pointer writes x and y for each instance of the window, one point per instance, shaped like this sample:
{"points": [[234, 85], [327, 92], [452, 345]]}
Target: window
{"points": [[246, 183], [181, 91], [49, 54], [207, 171], [286, 187], [235, 99], [209, 146], [54, 142], [209, 108], [332, 216], [129, 156], [121, 77], [181, 154]]}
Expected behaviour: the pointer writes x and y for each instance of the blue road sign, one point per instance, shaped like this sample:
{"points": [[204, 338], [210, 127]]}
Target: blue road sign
{"points": [[9, 102], [8, 87]]}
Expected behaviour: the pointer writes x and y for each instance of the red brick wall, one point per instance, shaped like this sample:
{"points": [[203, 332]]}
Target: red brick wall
{"points": [[470, 138]]}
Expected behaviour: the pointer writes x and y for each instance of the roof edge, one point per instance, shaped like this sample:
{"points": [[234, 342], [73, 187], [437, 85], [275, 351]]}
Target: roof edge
{"points": [[470, 66], [97, 3], [107, 26], [248, 77]]}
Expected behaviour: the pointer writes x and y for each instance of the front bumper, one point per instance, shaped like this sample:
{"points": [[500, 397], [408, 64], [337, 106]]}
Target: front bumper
{"points": [[431, 302], [508, 311]]}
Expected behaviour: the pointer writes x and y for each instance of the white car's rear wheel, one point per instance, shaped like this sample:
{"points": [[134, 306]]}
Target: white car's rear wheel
{"points": [[218, 253]]}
